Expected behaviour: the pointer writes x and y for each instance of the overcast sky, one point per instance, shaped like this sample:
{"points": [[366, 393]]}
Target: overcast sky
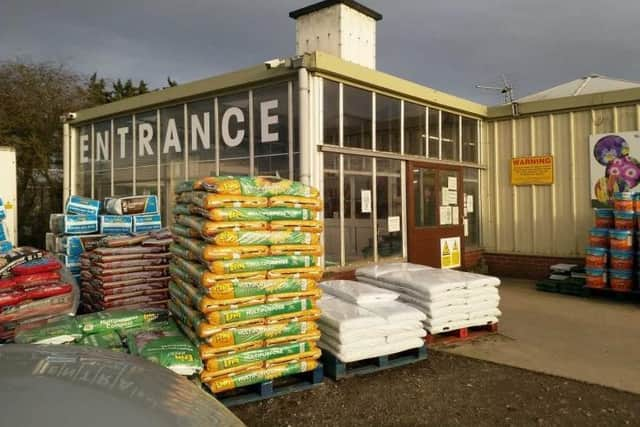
{"points": [[447, 45]]}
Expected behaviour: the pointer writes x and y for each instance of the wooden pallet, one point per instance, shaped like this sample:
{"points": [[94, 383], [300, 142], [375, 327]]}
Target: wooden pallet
{"points": [[337, 370], [460, 335], [274, 388]]}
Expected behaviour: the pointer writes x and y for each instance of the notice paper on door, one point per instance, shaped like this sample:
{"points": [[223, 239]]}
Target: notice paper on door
{"points": [[452, 183], [365, 196], [445, 215], [455, 215], [470, 203], [393, 224]]}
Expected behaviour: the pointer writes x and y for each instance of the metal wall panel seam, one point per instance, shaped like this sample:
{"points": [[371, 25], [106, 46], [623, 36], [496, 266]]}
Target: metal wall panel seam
{"points": [[133, 146], [615, 118], [554, 213], [637, 126], [112, 138], [574, 207], [534, 192], [216, 137], [93, 160], [251, 137], [496, 194], [514, 188], [186, 144]]}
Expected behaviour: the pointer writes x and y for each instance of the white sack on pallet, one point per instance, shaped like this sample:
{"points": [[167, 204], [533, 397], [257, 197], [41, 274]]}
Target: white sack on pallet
{"points": [[344, 316], [389, 329], [375, 271], [369, 352], [394, 311], [354, 345], [416, 333], [357, 292], [452, 326]]}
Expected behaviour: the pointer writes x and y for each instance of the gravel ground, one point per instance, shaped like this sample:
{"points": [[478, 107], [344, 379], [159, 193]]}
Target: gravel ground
{"points": [[448, 390]]}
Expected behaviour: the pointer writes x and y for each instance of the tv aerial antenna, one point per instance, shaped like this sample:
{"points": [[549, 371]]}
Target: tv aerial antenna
{"points": [[506, 89]]}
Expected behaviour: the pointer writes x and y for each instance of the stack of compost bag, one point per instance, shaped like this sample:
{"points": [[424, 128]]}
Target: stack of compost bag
{"points": [[361, 321], [148, 333], [33, 287], [244, 277], [450, 299], [127, 271], [5, 243]]}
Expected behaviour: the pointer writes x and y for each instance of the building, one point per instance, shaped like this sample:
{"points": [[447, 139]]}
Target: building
{"points": [[407, 172]]}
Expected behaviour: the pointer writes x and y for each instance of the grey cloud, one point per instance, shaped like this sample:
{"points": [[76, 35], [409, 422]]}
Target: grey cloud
{"points": [[450, 46]]}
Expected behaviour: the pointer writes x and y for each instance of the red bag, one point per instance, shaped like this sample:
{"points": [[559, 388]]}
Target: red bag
{"points": [[48, 291], [7, 284], [37, 279], [42, 265], [11, 298]]}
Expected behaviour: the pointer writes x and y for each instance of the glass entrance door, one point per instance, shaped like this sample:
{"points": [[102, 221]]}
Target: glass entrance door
{"points": [[434, 215]]}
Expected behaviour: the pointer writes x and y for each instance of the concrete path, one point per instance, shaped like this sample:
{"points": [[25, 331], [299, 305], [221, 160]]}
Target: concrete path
{"points": [[591, 340]]}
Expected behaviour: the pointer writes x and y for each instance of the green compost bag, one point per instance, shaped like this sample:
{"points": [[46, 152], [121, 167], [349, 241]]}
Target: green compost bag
{"points": [[182, 252], [262, 264], [261, 186], [109, 339], [242, 379], [60, 331], [104, 321], [259, 214], [181, 209], [184, 186], [263, 238], [191, 318], [184, 231], [221, 363], [168, 348]]}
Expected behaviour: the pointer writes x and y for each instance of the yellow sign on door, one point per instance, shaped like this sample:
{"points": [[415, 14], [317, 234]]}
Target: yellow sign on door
{"points": [[450, 256], [535, 170]]}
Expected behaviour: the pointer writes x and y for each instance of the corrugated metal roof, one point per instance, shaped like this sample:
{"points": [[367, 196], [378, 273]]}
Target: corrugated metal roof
{"points": [[593, 83]]}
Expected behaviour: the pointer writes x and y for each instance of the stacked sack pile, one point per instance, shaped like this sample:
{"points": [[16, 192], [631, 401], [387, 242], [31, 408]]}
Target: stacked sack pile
{"points": [[244, 277], [610, 255], [5, 243], [33, 287], [127, 271], [450, 299], [361, 321], [147, 333]]}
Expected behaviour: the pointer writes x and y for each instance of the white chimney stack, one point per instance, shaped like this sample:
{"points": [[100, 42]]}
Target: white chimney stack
{"points": [[343, 28]]}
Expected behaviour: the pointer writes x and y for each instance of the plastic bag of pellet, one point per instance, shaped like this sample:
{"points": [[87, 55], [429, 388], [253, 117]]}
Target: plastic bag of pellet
{"points": [[115, 242], [208, 228], [294, 225], [116, 224], [296, 250], [268, 238], [262, 264], [242, 379], [237, 290], [252, 214], [108, 339], [18, 256], [147, 222], [198, 273], [206, 252], [123, 319], [238, 361], [77, 205], [313, 204], [133, 205], [73, 224], [54, 331], [144, 299], [168, 348], [264, 186], [184, 231], [182, 209], [195, 297], [77, 245], [206, 200], [124, 250], [192, 318], [37, 266]]}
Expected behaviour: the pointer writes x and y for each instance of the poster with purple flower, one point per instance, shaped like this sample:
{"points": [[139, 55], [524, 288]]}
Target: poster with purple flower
{"points": [[615, 166]]}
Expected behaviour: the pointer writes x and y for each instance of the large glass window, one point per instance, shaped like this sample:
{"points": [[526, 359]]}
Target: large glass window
{"points": [[425, 196], [84, 152], [357, 119], [331, 112], [331, 183], [387, 124], [123, 157], [470, 140], [434, 133], [471, 208], [102, 160], [147, 152], [234, 134], [450, 136], [389, 207], [271, 130], [202, 147], [172, 157], [414, 129], [358, 200]]}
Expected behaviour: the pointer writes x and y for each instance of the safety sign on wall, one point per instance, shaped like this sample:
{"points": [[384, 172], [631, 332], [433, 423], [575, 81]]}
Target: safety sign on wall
{"points": [[534, 170], [450, 256]]}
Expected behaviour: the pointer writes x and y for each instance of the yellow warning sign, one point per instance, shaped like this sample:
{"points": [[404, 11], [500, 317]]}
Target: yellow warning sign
{"points": [[534, 170], [450, 256]]}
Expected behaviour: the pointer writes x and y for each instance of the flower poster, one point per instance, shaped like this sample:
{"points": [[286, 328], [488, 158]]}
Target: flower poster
{"points": [[615, 165]]}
